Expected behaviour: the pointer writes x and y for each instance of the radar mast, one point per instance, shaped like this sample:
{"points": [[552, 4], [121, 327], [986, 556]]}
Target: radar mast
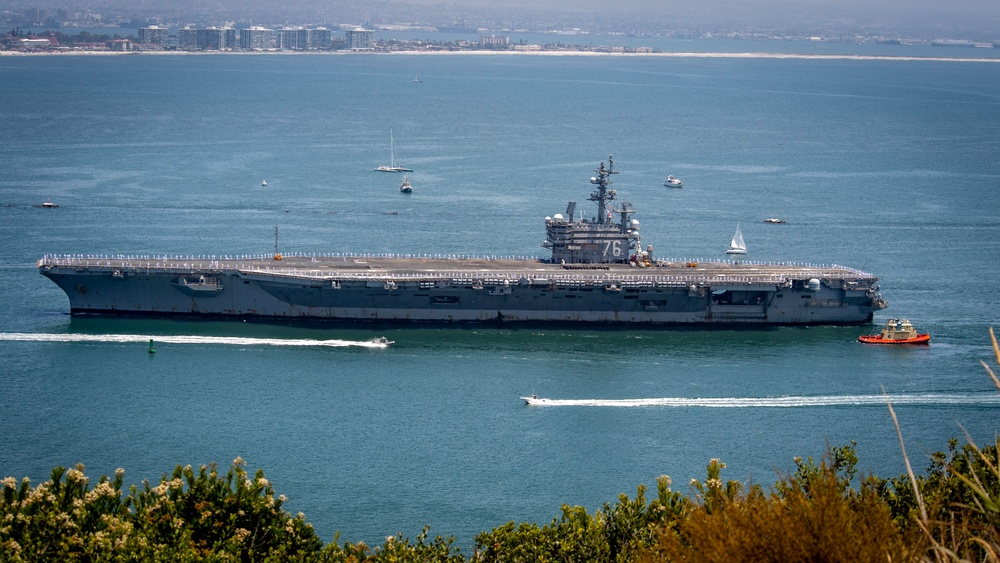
{"points": [[603, 196]]}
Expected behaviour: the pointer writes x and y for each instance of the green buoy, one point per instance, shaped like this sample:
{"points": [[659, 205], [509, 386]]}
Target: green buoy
{"points": [[152, 349]]}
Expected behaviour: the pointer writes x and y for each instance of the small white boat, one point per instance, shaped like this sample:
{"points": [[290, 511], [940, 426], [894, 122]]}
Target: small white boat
{"points": [[405, 186], [534, 400], [417, 79], [737, 246], [774, 220], [382, 340], [673, 182], [263, 183]]}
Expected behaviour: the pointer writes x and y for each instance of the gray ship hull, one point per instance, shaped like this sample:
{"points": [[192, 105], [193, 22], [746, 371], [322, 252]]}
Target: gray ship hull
{"points": [[410, 290]]}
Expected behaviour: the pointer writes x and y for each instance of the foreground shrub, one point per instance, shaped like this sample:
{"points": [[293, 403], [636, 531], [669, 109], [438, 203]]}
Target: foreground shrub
{"points": [[187, 516], [817, 512], [613, 534], [396, 549]]}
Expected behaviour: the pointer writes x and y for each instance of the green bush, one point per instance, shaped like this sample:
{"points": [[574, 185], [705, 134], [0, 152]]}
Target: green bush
{"points": [[187, 516]]}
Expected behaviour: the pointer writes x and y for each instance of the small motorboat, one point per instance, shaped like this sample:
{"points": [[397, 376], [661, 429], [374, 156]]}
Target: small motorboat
{"points": [[405, 186], [774, 220], [263, 183], [534, 400], [382, 340], [896, 331], [673, 182]]}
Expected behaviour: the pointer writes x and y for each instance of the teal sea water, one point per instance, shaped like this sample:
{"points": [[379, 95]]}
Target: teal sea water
{"points": [[888, 166]]}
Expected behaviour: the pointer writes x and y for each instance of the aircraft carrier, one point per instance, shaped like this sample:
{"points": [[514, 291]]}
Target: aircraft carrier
{"points": [[598, 274]]}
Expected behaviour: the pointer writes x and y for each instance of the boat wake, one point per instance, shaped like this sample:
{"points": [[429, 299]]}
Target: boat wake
{"points": [[927, 399], [224, 340]]}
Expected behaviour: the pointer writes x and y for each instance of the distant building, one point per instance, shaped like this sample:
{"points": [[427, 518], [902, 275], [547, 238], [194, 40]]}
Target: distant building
{"points": [[297, 38], [291, 39], [319, 38], [256, 38], [118, 45], [154, 35], [187, 39], [206, 38], [494, 41], [35, 43], [216, 38], [36, 14], [360, 39]]}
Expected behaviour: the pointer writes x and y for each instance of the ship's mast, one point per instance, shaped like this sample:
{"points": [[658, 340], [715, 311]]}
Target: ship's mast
{"points": [[625, 211], [603, 196]]}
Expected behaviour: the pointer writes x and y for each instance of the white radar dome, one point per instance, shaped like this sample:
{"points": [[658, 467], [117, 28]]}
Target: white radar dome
{"points": [[558, 217], [635, 224]]}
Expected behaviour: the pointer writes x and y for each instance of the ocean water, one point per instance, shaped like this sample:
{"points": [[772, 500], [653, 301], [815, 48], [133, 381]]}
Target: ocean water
{"points": [[888, 166]]}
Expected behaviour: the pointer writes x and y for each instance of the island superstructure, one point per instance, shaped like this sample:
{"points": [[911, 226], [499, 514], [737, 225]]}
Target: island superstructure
{"points": [[598, 274]]}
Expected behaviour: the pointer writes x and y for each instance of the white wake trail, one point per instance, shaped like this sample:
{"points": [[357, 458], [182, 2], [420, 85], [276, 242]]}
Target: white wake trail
{"points": [[224, 340], [931, 399]]}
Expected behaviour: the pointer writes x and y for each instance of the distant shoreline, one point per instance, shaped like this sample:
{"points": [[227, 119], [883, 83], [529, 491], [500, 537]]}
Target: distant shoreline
{"points": [[713, 55]]}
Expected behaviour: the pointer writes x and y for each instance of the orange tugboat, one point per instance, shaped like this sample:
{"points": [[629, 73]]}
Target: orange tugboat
{"points": [[896, 331]]}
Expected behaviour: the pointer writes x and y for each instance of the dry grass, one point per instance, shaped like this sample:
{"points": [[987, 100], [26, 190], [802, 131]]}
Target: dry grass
{"points": [[813, 520]]}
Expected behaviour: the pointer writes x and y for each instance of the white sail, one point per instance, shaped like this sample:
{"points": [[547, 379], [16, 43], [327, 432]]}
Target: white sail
{"points": [[737, 246]]}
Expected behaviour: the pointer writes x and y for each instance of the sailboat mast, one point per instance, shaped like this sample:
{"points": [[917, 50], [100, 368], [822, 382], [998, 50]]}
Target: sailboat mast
{"points": [[392, 150]]}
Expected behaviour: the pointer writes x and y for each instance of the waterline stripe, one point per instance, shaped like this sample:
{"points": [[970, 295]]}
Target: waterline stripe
{"points": [[226, 340]]}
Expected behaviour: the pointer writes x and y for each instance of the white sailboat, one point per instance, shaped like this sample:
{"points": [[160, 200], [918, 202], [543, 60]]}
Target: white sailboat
{"points": [[737, 246], [393, 166]]}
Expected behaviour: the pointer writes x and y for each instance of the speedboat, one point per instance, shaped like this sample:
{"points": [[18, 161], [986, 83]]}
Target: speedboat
{"points": [[382, 340], [673, 182], [534, 400], [405, 186], [896, 331], [774, 220]]}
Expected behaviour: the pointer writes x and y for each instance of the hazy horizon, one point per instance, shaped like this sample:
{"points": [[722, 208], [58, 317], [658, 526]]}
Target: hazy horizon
{"points": [[980, 18]]}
